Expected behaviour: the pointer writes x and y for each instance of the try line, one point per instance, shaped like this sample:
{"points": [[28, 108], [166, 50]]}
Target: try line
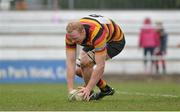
{"points": [[147, 94]]}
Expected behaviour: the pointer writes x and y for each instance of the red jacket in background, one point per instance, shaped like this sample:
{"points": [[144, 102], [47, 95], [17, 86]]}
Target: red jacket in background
{"points": [[148, 37]]}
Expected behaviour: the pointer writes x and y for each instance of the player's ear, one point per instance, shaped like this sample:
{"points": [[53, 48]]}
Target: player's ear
{"points": [[83, 30]]}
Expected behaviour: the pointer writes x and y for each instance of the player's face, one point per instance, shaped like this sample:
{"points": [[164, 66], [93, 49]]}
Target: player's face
{"points": [[76, 37]]}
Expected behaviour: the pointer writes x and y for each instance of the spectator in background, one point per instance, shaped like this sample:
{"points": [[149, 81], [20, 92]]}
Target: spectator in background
{"points": [[162, 48], [178, 45], [21, 5], [148, 40]]}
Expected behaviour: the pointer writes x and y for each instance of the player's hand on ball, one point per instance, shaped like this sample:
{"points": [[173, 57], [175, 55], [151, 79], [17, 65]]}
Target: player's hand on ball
{"points": [[85, 93]]}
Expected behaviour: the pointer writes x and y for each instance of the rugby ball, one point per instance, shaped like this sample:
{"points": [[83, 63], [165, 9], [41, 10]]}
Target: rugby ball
{"points": [[79, 96], [75, 95]]}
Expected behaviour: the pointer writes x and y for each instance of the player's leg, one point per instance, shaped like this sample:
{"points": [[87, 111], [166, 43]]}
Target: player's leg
{"points": [[102, 85], [85, 68], [113, 49], [78, 72], [84, 64], [87, 63]]}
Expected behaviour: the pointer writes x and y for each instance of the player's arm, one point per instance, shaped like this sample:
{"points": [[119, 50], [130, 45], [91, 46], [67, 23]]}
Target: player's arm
{"points": [[70, 62], [98, 70], [99, 43]]}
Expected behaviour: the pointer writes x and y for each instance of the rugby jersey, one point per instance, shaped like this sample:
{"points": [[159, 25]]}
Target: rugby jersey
{"points": [[99, 31]]}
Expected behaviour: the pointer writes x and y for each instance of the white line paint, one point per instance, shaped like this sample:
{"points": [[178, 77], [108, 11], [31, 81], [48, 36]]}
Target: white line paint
{"points": [[147, 94]]}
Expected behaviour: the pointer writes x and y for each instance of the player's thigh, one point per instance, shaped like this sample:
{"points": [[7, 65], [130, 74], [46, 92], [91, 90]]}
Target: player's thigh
{"points": [[86, 58]]}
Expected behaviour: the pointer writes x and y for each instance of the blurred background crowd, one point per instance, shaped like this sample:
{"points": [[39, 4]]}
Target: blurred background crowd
{"points": [[86, 4], [34, 30]]}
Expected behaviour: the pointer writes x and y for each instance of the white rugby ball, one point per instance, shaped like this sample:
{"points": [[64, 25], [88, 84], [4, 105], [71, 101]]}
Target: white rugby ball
{"points": [[75, 95], [79, 96]]}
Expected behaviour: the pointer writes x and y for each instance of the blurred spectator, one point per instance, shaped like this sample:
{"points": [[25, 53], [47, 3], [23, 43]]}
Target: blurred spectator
{"points": [[162, 48], [56, 17], [21, 5], [148, 40], [178, 45]]}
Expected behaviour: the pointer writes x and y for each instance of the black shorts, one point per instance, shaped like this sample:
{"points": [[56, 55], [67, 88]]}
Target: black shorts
{"points": [[113, 48]]}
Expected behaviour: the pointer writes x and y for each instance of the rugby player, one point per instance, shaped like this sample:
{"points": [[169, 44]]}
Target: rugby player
{"points": [[101, 39]]}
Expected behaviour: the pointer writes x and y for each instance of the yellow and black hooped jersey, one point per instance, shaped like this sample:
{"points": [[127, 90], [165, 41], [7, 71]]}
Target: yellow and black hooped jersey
{"points": [[99, 31]]}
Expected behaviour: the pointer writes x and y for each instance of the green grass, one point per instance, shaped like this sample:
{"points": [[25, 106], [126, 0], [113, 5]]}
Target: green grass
{"points": [[129, 96]]}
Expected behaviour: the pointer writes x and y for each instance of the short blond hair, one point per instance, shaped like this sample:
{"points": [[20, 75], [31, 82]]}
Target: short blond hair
{"points": [[74, 26]]}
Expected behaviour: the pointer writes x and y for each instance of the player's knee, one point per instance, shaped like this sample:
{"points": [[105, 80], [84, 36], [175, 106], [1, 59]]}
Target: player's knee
{"points": [[83, 64], [86, 63], [78, 72]]}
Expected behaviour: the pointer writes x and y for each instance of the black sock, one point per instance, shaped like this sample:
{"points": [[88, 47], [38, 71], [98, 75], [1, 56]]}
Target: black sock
{"points": [[106, 88]]}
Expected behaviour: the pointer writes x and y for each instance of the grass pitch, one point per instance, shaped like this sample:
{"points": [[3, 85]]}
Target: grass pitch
{"points": [[131, 96]]}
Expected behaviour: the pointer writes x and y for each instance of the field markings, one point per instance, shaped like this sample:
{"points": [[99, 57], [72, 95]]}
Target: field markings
{"points": [[147, 94]]}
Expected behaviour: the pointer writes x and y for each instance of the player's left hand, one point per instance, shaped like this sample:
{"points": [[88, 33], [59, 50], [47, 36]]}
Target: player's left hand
{"points": [[86, 93]]}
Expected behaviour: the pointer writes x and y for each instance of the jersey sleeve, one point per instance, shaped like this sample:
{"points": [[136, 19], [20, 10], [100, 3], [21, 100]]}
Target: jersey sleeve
{"points": [[69, 44], [99, 41]]}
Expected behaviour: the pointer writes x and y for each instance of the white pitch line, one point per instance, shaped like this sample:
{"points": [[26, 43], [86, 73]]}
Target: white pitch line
{"points": [[145, 94]]}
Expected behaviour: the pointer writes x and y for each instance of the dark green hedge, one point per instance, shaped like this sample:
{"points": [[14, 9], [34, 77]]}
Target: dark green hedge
{"points": [[121, 4]]}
